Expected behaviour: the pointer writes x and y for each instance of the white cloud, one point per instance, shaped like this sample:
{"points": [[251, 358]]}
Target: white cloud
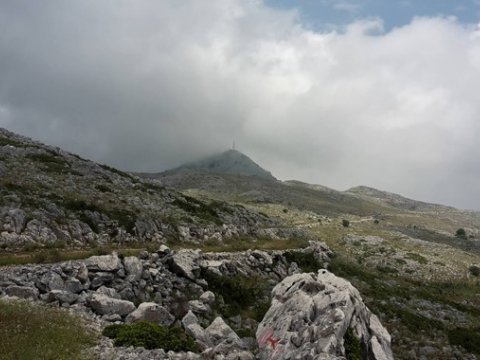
{"points": [[145, 85]]}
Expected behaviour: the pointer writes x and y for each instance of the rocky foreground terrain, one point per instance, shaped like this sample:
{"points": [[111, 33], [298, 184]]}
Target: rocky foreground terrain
{"points": [[310, 316]]}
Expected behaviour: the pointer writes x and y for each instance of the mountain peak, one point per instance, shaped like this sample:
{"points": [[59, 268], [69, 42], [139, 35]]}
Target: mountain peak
{"points": [[229, 162]]}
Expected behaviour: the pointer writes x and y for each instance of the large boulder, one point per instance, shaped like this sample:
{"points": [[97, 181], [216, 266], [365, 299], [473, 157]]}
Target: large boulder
{"points": [[311, 317], [104, 263], [133, 268], [185, 263], [105, 305], [150, 311], [23, 292]]}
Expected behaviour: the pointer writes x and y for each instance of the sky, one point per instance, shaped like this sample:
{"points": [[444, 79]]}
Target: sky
{"points": [[333, 92]]}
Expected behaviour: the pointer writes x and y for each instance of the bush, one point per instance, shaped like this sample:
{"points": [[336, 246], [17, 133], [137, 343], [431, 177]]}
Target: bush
{"points": [[151, 336], [306, 261], [240, 293], [461, 233], [352, 345], [474, 270], [469, 339], [345, 223]]}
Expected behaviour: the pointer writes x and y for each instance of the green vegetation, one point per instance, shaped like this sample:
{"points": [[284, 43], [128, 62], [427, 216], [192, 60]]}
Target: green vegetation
{"points": [[417, 257], [305, 260], [352, 345], [37, 332], [461, 233], [207, 212], [474, 270], [52, 162], [244, 295], [6, 141], [469, 339], [103, 188], [151, 336], [345, 223]]}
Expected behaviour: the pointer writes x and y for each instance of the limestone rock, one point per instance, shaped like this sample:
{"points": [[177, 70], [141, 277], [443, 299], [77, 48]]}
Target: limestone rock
{"points": [[133, 267], [62, 296], [184, 263], [24, 292], [105, 305], [103, 263], [150, 311], [218, 331], [310, 315]]}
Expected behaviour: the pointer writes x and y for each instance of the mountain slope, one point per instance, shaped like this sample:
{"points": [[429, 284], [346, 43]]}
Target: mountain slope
{"points": [[51, 197]]}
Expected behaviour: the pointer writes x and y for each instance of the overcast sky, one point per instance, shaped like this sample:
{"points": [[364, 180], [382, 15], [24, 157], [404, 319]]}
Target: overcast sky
{"points": [[338, 93]]}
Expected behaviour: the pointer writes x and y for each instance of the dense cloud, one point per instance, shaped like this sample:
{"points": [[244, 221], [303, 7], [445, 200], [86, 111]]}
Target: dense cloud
{"points": [[147, 85]]}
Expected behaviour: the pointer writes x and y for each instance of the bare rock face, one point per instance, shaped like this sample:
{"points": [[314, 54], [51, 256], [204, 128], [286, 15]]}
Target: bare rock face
{"points": [[311, 317]]}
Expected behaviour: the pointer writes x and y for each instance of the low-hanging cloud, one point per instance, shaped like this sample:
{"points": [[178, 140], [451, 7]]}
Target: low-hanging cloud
{"points": [[146, 85]]}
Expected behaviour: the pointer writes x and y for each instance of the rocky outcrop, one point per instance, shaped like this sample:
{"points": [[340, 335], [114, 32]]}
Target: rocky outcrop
{"points": [[313, 315], [309, 313]]}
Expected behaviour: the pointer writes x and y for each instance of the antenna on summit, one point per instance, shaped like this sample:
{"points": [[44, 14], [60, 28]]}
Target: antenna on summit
{"points": [[233, 145]]}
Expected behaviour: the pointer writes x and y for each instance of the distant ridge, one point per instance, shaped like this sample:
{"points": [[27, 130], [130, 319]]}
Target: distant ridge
{"points": [[229, 162]]}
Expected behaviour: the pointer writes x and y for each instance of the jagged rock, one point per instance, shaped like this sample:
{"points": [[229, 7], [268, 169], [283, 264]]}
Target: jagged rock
{"points": [[103, 263], [193, 328], [62, 296], [218, 331], [207, 297], [74, 285], [184, 263], [103, 290], [152, 312], [105, 305], [310, 315], [24, 292], [133, 268], [101, 278], [50, 281], [198, 307]]}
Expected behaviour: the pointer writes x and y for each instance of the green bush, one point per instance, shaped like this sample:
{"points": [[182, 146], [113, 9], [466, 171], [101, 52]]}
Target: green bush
{"points": [[469, 339], [474, 270], [461, 233], [305, 260], [151, 336], [352, 345], [239, 293], [345, 223]]}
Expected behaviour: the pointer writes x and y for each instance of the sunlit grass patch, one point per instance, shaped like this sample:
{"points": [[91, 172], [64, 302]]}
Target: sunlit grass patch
{"points": [[29, 331]]}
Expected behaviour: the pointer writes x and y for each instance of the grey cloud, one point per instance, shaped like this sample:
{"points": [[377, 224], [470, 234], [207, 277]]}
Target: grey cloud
{"points": [[145, 85]]}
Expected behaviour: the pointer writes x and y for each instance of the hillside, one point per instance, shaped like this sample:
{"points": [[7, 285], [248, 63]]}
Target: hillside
{"points": [[49, 197]]}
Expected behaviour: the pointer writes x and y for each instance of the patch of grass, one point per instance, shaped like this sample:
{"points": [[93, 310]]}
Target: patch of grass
{"points": [[417, 257], [103, 188], [469, 339], [151, 336], [37, 332], [352, 345], [116, 171], [6, 141], [386, 269], [52, 162]]}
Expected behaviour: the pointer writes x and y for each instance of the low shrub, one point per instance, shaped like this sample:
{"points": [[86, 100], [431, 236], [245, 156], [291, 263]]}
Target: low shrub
{"points": [[151, 336], [469, 339], [305, 260], [352, 345]]}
